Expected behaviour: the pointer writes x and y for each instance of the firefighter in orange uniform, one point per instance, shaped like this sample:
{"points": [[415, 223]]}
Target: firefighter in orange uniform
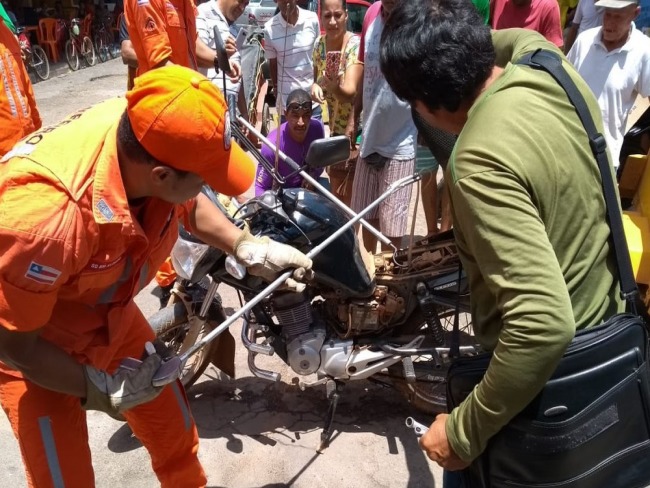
{"points": [[81, 239], [163, 32], [18, 113]]}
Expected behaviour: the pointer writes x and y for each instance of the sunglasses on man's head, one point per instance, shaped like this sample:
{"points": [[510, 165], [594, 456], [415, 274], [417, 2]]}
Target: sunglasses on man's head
{"points": [[296, 108]]}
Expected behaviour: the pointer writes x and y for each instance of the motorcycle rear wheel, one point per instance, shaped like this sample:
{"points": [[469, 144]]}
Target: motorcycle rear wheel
{"points": [[429, 392], [171, 325]]}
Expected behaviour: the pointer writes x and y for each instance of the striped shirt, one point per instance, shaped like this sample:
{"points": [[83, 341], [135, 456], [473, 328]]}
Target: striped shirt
{"points": [[210, 16], [292, 46]]}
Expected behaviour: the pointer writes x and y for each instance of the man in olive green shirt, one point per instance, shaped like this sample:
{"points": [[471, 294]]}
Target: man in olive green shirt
{"points": [[528, 208]]}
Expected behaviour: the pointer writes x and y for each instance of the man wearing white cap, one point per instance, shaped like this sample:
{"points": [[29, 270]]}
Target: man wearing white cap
{"points": [[614, 60]]}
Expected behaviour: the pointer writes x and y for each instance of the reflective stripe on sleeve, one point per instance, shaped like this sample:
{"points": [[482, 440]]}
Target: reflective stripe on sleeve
{"points": [[4, 72], [23, 105]]}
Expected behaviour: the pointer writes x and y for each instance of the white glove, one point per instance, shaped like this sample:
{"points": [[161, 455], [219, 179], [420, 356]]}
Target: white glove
{"points": [[266, 258], [123, 390]]}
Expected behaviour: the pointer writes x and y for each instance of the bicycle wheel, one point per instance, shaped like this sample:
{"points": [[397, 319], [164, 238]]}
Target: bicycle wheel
{"points": [[101, 48], [109, 41], [88, 51], [39, 62], [71, 55]]}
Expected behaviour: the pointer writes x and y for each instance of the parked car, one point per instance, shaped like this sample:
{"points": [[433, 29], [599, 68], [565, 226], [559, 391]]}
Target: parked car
{"points": [[259, 11]]}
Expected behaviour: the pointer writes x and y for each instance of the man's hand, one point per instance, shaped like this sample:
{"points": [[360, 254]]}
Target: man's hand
{"points": [[123, 390], [351, 132], [434, 442], [231, 46], [266, 258], [235, 72]]}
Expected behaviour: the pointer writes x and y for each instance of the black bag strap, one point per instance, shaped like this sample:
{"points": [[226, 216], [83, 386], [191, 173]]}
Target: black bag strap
{"points": [[552, 63]]}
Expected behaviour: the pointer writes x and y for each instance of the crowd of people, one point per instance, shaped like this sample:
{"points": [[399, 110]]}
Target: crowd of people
{"points": [[521, 190]]}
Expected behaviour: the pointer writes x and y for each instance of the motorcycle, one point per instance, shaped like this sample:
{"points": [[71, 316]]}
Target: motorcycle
{"points": [[387, 318], [398, 317]]}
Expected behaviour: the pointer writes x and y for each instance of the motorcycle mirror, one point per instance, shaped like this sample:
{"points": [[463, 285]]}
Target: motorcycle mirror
{"points": [[222, 62], [326, 152]]}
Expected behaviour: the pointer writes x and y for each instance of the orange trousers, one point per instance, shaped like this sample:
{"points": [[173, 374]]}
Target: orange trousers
{"points": [[51, 429]]}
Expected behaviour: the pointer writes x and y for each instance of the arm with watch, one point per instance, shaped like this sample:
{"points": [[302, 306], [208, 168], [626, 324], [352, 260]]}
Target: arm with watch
{"points": [[206, 57]]}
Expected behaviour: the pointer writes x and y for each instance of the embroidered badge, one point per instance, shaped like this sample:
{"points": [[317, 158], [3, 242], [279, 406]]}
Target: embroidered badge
{"points": [[41, 273], [149, 25], [105, 210], [142, 3], [100, 266], [226, 132]]}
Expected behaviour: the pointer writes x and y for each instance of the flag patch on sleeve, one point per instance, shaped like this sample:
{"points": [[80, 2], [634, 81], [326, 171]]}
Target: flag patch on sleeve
{"points": [[43, 274]]}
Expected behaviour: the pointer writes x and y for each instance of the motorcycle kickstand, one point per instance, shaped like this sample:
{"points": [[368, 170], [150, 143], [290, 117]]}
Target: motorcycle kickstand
{"points": [[334, 389]]}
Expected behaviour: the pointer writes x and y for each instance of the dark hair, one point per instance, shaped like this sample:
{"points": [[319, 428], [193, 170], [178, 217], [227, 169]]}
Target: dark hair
{"points": [[129, 143], [299, 95], [131, 147], [343, 3], [436, 51]]}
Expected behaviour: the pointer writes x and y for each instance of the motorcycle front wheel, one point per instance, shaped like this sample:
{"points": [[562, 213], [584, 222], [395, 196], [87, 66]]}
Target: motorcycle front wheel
{"points": [[429, 391], [172, 326]]}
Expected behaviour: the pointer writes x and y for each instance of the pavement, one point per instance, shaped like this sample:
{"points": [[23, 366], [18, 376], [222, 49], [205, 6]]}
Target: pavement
{"points": [[253, 433], [62, 68]]}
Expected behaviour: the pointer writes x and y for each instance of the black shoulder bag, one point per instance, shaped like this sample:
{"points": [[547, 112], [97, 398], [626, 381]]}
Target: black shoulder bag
{"points": [[590, 425]]}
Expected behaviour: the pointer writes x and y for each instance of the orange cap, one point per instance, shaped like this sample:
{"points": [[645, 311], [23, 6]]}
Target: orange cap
{"points": [[182, 120]]}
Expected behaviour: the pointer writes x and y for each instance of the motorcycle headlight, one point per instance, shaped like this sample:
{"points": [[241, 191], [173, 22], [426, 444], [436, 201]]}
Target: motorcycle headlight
{"points": [[186, 256]]}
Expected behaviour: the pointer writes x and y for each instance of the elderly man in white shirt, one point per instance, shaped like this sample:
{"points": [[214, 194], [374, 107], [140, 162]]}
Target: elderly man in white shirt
{"points": [[223, 14], [614, 60]]}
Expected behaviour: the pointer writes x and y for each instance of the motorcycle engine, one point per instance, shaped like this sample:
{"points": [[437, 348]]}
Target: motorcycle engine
{"points": [[372, 315], [304, 337]]}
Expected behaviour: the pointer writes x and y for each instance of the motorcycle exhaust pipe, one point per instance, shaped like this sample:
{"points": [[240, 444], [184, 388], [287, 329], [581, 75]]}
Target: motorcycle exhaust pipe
{"points": [[169, 371], [253, 347], [261, 373]]}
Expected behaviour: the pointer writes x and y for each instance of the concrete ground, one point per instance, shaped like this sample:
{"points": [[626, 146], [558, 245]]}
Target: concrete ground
{"points": [[253, 433]]}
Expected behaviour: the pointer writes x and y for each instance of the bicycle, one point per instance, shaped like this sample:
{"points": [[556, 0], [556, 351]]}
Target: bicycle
{"points": [[104, 41], [78, 44], [33, 55]]}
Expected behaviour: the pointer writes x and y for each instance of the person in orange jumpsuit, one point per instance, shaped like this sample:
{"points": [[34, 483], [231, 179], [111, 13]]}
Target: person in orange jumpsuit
{"points": [[18, 113], [163, 32], [81, 239]]}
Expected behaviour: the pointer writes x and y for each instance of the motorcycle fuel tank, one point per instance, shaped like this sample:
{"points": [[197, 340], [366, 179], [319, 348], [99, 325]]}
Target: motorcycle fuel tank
{"points": [[304, 219]]}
